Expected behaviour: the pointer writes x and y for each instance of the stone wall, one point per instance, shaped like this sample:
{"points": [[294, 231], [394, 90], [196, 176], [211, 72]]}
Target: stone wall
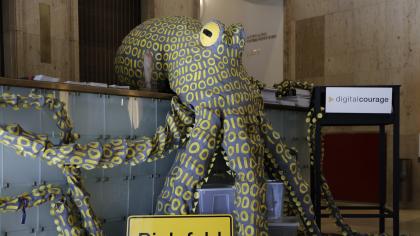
{"points": [[159, 8], [24, 48]]}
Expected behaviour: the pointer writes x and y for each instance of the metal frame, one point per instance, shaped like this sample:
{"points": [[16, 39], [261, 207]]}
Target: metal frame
{"points": [[379, 120]]}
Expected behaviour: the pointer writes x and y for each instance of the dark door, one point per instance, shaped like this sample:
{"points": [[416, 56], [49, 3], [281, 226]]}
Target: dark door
{"points": [[102, 26]]}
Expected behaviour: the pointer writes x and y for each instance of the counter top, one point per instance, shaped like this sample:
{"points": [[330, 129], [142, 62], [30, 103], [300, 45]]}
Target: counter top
{"points": [[83, 88], [108, 91], [284, 107]]}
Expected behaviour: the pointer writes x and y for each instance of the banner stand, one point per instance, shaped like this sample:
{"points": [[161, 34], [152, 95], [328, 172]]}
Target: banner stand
{"points": [[362, 119]]}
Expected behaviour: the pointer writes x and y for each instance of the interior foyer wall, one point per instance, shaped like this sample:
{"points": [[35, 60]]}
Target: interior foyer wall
{"points": [[160, 8], [22, 38], [365, 42]]}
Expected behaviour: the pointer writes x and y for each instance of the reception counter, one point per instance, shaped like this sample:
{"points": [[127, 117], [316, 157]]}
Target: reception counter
{"points": [[101, 114]]}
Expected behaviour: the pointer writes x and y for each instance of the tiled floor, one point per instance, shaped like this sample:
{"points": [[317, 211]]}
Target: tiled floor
{"points": [[409, 224]]}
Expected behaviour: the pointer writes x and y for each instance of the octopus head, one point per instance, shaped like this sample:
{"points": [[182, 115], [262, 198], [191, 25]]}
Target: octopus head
{"points": [[215, 36]]}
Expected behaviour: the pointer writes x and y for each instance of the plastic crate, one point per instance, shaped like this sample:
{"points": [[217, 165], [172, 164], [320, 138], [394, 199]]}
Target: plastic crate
{"points": [[274, 200], [220, 200], [216, 200], [286, 226]]}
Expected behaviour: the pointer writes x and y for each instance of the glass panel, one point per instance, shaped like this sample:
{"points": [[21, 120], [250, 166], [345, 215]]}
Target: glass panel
{"points": [[162, 108], [162, 166], [117, 116], [29, 119], [50, 231], [11, 183], [301, 143], [52, 174], [13, 163], [11, 222], [95, 189], [48, 124], [143, 118], [144, 124], [276, 118], [116, 227], [289, 128], [301, 126], [292, 127], [118, 113], [88, 113], [162, 169], [45, 218], [141, 196], [303, 160], [97, 173], [115, 199], [24, 232], [118, 173]]}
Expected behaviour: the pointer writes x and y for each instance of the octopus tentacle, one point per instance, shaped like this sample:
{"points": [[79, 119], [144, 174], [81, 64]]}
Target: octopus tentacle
{"points": [[312, 118], [283, 89], [191, 166], [48, 102], [74, 205], [244, 147], [274, 172], [95, 154], [286, 86], [298, 188], [82, 201], [67, 217], [38, 196]]}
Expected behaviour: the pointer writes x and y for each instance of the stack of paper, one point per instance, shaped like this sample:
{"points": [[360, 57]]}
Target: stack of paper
{"points": [[296, 97], [303, 98], [288, 100], [75, 82], [269, 96], [119, 86], [46, 78], [95, 84]]}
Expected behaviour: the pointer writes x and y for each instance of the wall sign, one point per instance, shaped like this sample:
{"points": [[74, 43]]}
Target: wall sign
{"points": [[185, 225], [371, 100]]}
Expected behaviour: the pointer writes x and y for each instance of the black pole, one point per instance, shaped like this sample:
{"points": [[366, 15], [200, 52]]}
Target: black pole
{"points": [[382, 178], [317, 161], [396, 162]]}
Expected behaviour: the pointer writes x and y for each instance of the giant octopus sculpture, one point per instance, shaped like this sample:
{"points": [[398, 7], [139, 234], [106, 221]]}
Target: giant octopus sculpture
{"points": [[218, 111]]}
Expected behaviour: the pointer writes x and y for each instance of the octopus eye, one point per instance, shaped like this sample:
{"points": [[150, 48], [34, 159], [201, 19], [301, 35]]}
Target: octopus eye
{"points": [[210, 34], [207, 32]]}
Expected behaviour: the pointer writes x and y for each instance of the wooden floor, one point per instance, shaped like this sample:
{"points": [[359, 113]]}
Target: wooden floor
{"points": [[409, 224]]}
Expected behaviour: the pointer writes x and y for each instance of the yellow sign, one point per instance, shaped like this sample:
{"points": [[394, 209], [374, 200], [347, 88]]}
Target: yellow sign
{"points": [[182, 225]]}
